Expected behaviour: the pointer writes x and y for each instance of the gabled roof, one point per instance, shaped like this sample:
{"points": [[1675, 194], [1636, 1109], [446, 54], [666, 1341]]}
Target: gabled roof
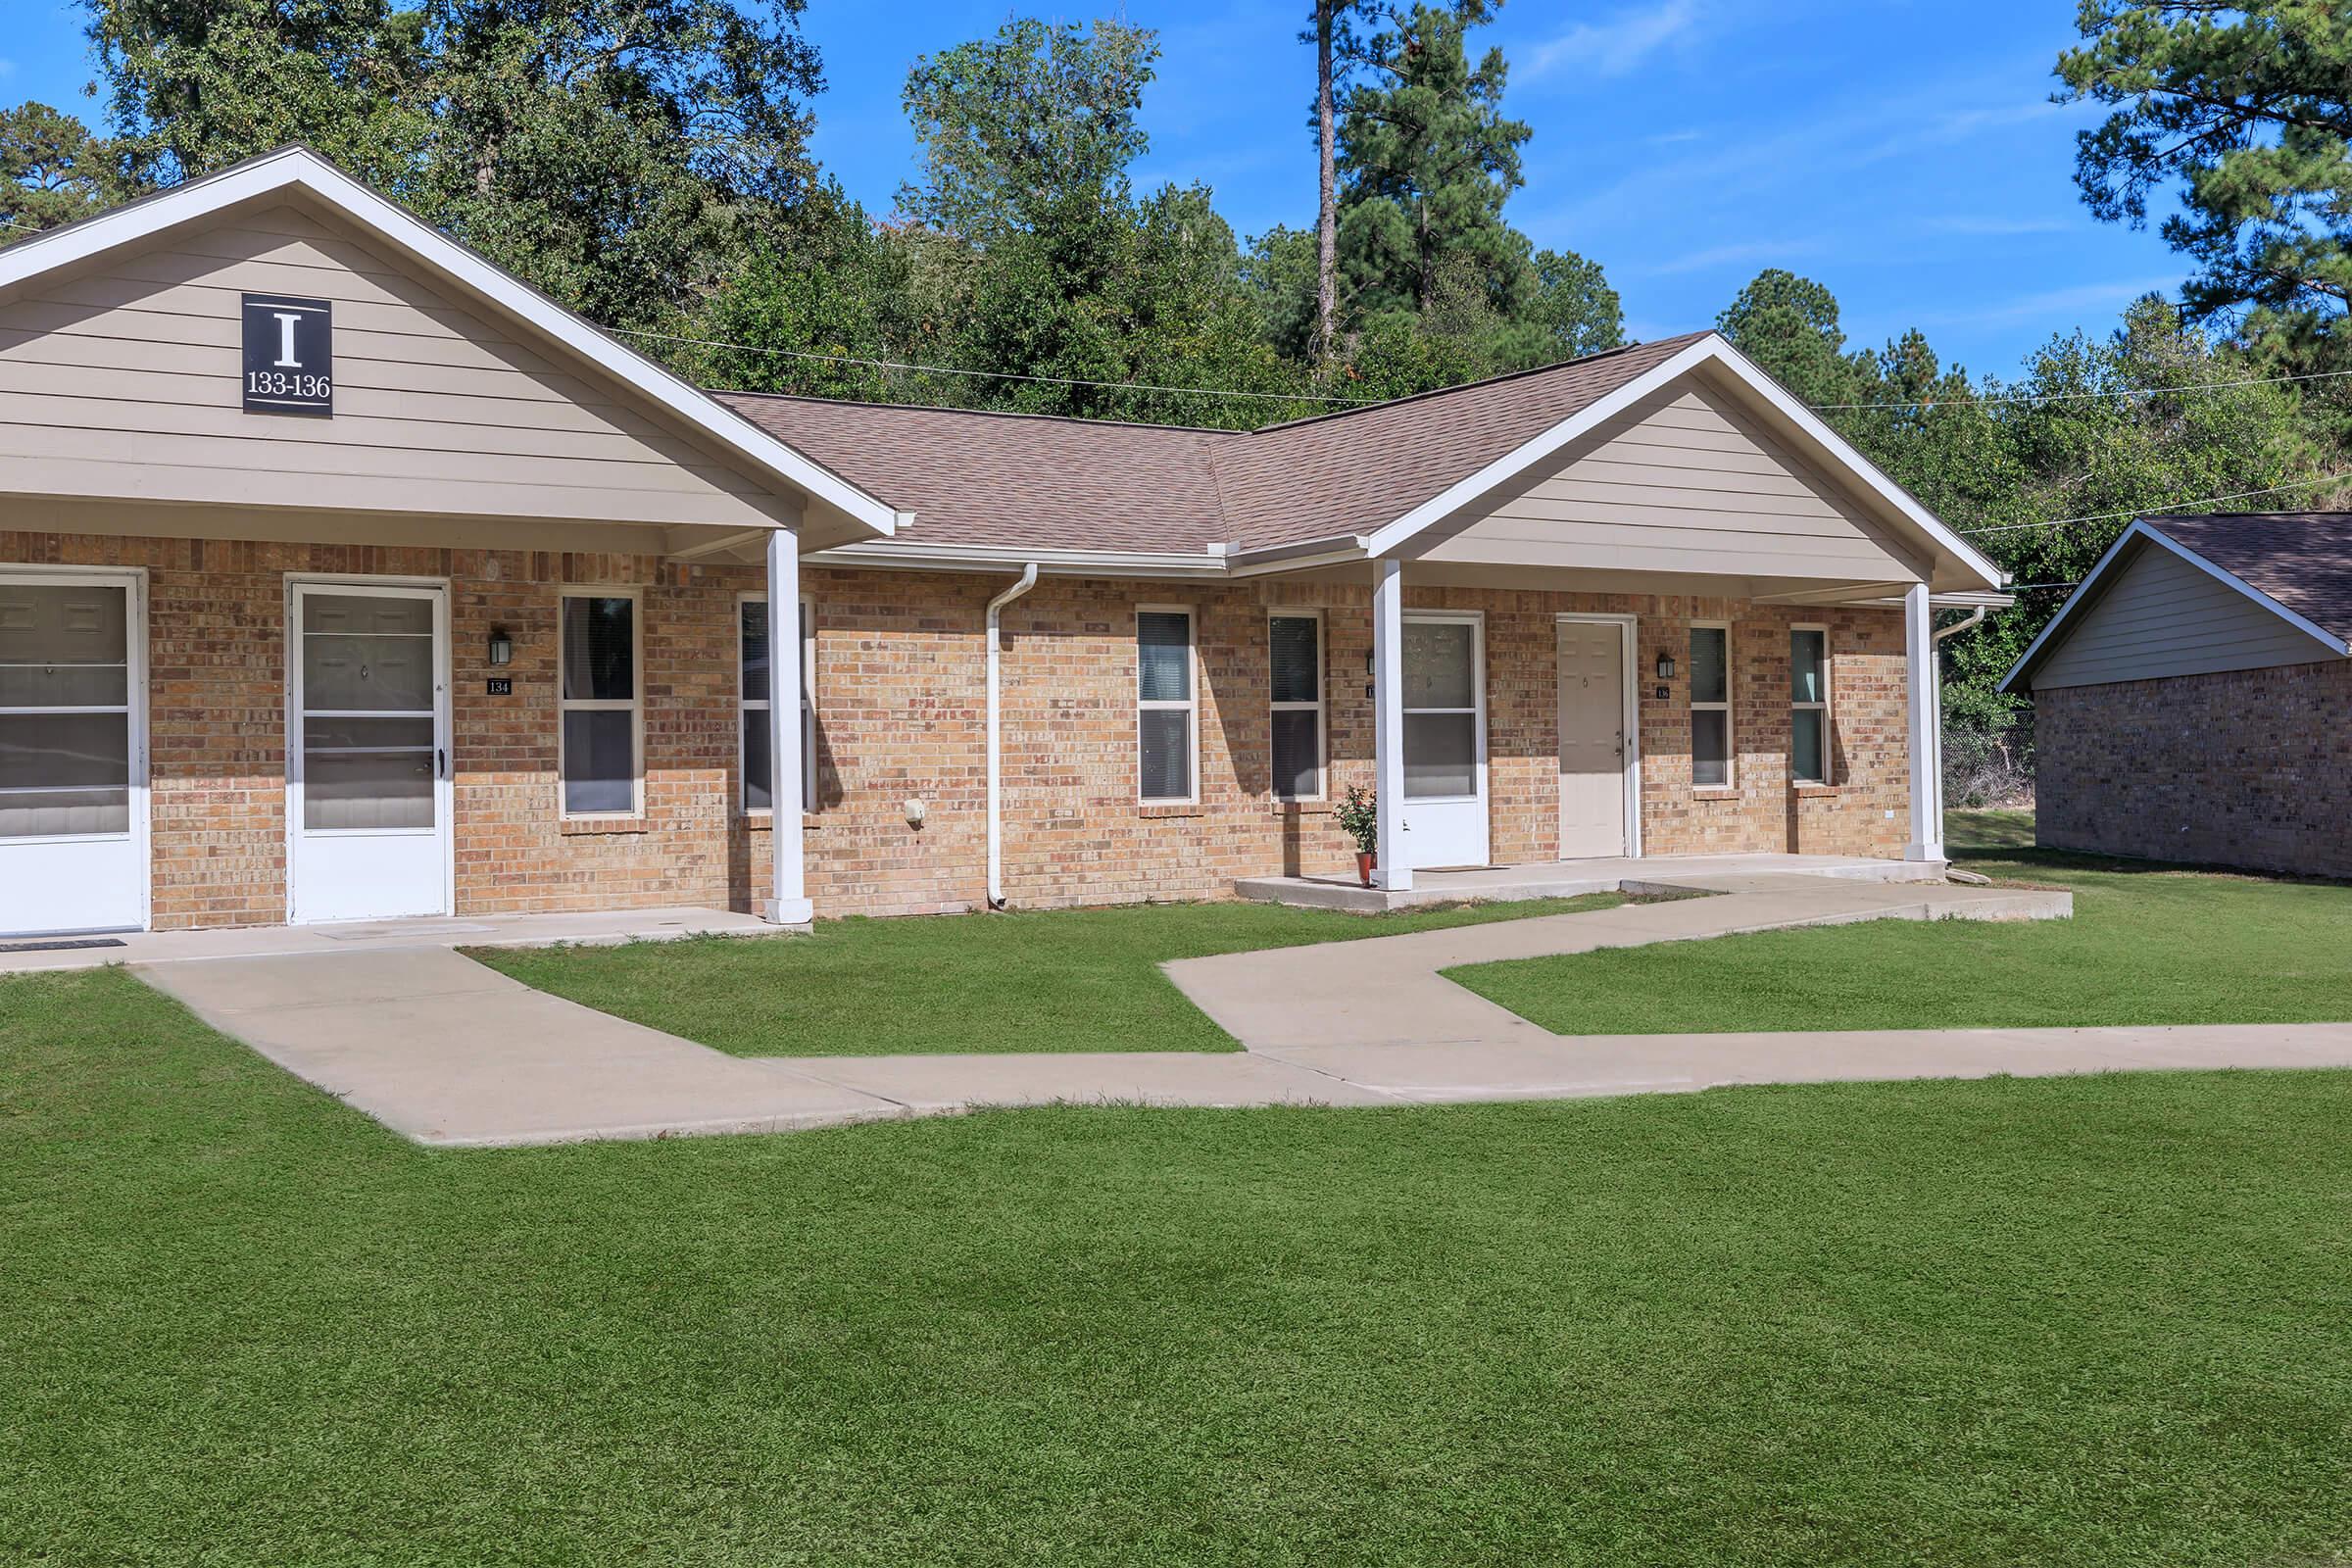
{"points": [[1030, 480], [2296, 566], [1362, 479], [298, 172]]}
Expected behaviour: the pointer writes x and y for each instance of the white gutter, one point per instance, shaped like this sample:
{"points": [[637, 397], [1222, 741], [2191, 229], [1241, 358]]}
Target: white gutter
{"points": [[1936, 690], [996, 837]]}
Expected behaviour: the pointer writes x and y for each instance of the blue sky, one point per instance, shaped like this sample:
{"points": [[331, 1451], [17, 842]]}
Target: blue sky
{"points": [[1903, 152]]}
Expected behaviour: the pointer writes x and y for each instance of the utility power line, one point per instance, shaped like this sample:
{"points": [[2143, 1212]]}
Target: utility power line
{"points": [[2171, 505], [997, 375], [1972, 401]]}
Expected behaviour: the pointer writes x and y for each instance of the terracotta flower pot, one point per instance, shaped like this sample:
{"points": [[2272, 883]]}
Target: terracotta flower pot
{"points": [[1363, 867]]}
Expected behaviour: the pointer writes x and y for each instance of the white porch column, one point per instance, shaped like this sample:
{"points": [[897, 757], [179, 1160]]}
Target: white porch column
{"points": [[788, 904], [1395, 869], [1926, 728]]}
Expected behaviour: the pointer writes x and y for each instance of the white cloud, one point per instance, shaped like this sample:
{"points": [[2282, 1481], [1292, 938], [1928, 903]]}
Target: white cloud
{"points": [[1743, 254], [1616, 46], [1968, 121], [2054, 302], [1995, 225]]}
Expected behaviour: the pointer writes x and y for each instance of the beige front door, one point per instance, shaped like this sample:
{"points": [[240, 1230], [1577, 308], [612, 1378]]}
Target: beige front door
{"points": [[1593, 774]]}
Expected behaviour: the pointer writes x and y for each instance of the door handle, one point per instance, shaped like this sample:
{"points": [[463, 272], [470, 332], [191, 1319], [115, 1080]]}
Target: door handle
{"points": [[440, 763]]}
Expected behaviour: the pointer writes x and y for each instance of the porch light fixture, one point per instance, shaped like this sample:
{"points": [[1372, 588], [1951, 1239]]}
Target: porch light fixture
{"points": [[502, 646], [1665, 667]]}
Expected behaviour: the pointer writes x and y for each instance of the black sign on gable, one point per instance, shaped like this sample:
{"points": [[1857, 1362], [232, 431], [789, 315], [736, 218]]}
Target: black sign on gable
{"points": [[289, 356]]}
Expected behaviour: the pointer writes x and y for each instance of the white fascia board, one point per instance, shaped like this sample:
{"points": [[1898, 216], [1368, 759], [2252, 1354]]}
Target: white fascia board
{"points": [[1709, 350], [299, 168], [2094, 583], [908, 553]]}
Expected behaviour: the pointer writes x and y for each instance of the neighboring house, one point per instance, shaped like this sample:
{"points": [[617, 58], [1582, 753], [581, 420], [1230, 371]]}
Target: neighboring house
{"points": [[2194, 698], [474, 615]]}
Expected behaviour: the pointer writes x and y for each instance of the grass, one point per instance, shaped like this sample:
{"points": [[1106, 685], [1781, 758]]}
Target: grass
{"points": [[2148, 944], [2096, 1321], [1057, 980]]}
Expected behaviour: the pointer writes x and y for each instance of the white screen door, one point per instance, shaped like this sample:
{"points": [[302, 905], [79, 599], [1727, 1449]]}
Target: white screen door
{"points": [[1444, 739], [1593, 739], [367, 792], [72, 762]]}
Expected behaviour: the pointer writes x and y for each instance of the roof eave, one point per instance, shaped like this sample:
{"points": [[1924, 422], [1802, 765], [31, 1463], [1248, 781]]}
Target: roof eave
{"points": [[292, 170]]}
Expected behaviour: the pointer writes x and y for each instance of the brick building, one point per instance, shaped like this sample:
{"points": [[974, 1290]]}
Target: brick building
{"points": [[2190, 698], [344, 577]]}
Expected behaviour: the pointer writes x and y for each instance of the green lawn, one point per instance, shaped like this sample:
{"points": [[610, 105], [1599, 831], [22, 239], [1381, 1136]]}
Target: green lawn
{"points": [[2148, 944], [2097, 1321], [1056, 980]]}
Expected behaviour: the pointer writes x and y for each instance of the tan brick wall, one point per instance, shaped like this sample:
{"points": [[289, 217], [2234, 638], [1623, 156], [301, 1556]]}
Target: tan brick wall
{"points": [[2247, 768], [901, 718]]}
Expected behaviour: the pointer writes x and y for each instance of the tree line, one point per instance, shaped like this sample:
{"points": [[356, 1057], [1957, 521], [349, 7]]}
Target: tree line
{"points": [[647, 162]]}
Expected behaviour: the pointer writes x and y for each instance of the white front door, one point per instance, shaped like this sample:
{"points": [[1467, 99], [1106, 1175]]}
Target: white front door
{"points": [[368, 790], [1593, 739], [72, 751], [1444, 739]]}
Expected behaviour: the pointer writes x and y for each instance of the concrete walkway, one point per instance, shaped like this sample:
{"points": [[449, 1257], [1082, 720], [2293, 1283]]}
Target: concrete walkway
{"points": [[449, 1052]]}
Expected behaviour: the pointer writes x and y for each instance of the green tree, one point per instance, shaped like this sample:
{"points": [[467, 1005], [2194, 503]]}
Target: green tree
{"points": [[622, 155], [194, 86], [1032, 254], [52, 169], [1426, 160], [1032, 128], [2248, 108]]}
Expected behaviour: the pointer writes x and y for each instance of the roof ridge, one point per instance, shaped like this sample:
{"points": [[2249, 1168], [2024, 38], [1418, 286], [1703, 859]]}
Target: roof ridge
{"points": [[988, 413], [1485, 380]]}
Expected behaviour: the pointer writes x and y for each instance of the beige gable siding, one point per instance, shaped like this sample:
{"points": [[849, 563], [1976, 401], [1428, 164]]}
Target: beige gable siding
{"points": [[1687, 485], [2162, 616], [123, 381]]}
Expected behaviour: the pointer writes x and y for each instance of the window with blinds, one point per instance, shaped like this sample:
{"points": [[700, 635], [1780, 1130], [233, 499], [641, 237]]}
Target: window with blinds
{"points": [[601, 711], [1809, 705], [1711, 706], [1295, 655], [1166, 707], [758, 753]]}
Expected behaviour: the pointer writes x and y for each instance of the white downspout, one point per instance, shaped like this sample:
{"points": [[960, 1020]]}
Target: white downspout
{"points": [[996, 834], [1936, 690]]}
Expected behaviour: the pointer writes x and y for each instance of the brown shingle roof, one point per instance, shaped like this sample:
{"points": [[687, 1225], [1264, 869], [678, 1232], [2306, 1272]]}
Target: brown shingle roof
{"points": [[1353, 472], [1039, 482], [2301, 558]]}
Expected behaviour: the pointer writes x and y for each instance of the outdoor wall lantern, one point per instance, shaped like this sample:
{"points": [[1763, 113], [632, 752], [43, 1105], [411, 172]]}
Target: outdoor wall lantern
{"points": [[1665, 667], [502, 646]]}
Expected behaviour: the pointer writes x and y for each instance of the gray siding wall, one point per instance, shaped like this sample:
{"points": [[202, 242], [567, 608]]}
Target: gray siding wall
{"points": [[124, 382], [2162, 616], [1688, 485]]}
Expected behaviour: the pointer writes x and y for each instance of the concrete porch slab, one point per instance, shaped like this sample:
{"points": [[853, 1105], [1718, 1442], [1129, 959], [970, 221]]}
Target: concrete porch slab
{"points": [[596, 927], [1568, 879]]}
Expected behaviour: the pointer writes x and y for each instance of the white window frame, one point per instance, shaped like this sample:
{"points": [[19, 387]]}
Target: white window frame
{"points": [[1730, 743], [1826, 707], [635, 705], [1189, 706], [1322, 790], [746, 705]]}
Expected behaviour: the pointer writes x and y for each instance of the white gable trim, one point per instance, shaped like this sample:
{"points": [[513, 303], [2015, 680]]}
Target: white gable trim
{"points": [[2094, 583], [1709, 350], [295, 169]]}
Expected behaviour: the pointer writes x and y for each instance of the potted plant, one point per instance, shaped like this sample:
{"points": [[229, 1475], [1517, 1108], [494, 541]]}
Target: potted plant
{"points": [[1358, 818]]}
